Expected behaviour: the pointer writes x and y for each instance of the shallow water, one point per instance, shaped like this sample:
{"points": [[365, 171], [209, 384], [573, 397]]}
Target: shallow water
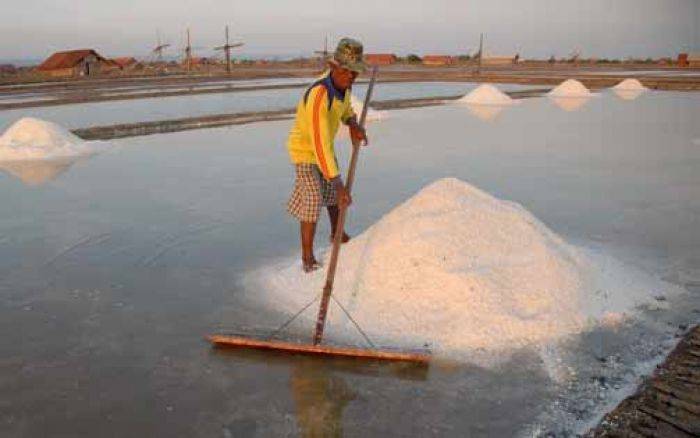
{"points": [[163, 108], [112, 268], [118, 88]]}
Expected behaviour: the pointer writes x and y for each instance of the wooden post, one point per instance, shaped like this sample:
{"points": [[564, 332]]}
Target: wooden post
{"points": [[338, 237], [228, 53], [188, 52], [481, 53]]}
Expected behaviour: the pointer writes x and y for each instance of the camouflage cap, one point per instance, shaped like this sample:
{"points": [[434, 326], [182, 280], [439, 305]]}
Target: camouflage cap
{"points": [[348, 54]]}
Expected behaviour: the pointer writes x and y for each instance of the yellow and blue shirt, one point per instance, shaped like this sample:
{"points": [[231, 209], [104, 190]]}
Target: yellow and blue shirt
{"points": [[319, 115]]}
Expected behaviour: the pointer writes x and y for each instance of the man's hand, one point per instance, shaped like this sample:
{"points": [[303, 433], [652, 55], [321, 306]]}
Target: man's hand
{"points": [[357, 133], [343, 196]]}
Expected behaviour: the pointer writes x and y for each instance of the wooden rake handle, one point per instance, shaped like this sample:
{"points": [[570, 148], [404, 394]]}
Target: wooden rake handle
{"points": [[340, 226]]}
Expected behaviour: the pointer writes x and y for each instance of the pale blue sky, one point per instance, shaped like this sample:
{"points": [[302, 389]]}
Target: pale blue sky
{"points": [[535, 28]]}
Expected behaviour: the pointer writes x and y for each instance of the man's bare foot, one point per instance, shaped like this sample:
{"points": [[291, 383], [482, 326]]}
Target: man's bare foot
{"points": [[310, 265], [345, 239]]}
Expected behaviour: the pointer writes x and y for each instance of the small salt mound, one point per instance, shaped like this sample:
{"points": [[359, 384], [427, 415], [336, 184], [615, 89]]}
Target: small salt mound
{"points": [[630, 84], [372, 115], [570, 88], [629, 89], [34, 139], [486, 94], [458, 269]]}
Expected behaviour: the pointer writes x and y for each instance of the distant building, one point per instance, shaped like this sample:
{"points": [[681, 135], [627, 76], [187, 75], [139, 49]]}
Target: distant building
{"points": [[125, 62], [682, 60], [83, 62], [200, 61], [7, 69], [438, 60], [694, 60], [380, 58], [499, 60]]}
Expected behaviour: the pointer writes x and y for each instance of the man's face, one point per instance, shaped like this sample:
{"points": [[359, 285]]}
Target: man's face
{"points": [[343, 78]]}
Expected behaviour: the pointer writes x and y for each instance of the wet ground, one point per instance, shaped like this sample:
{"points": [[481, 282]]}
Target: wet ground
{"points": [[113, 268]]}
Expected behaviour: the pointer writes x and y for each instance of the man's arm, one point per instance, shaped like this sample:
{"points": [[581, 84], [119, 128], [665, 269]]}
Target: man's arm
{"points": [[317, 107]]}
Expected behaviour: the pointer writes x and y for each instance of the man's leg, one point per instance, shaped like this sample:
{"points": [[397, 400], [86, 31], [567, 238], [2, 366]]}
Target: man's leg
{"points": [[308, 232], [305, 205], [333, 212]]}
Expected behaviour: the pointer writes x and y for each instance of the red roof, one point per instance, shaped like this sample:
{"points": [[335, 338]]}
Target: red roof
{"points": [[68, 59], [380, 58]]}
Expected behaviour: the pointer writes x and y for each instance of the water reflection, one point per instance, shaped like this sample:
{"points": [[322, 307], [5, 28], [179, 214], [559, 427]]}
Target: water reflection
{"points": [[628, 94], [320, 398], [322, 388], [37, 172], [486, 113], [569, 104]]}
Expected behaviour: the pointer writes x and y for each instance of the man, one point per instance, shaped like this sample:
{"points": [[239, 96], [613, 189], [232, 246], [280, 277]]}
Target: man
{"points": [[324, 106]]}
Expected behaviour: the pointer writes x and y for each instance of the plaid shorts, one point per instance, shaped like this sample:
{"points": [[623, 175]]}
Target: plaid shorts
{"points": [[311, 192]]}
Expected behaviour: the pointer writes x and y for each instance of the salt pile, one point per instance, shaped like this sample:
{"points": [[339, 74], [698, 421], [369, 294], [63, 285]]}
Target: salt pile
{"points": [[372, 115], [462, 271], [486, 94], [630, 84], [629, 89], [34, 139], [570, 88]]}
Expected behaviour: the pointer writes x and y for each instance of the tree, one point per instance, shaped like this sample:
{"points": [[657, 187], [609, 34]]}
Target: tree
{"points": [[413, 58]]}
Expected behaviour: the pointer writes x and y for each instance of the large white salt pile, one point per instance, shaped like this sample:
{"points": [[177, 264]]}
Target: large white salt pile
{"points": [[372, 115], [486, 94], [570, 88], [630, 84], [32, 139], [460, 270]]}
